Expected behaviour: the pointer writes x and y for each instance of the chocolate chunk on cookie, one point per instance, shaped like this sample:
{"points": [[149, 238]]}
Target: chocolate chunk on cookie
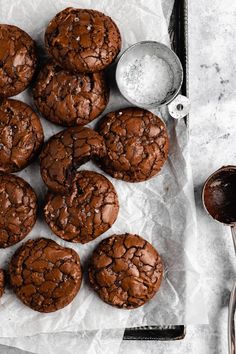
{"points": [[44, 275], [2, 282], [136, 142], [82, 40], [21, 135], [70, 99], [65, 152], [126, 271], [17, 60], [18, 209], [87, 211]]}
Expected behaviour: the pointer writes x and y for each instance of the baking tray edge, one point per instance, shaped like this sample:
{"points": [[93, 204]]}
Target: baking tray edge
{"points": [[180, 45]]}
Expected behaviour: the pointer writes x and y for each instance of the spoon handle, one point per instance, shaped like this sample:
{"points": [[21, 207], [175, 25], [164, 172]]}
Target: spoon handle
{"points": [[233, 232], [231, 327], [232, 305]]}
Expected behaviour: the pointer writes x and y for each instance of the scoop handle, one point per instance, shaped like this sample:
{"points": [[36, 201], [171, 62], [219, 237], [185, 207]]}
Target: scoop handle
{"points": [[232, 305], [179, 107]]}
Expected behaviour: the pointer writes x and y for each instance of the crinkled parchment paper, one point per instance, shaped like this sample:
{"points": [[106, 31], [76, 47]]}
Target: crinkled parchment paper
{"points": [[162, 210], [82, 342]]}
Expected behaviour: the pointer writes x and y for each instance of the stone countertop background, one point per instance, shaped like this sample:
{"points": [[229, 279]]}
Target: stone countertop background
{"points": [[212, 47]]}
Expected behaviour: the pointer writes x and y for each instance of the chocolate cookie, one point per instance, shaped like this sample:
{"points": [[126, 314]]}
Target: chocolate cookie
{"points": [[82, 40], [136, 142], [86, 212], [70, 99], [2, 282], [44, 275], [21, 135], [18, 209], [17, 60], [65, 152], [126, 271]]}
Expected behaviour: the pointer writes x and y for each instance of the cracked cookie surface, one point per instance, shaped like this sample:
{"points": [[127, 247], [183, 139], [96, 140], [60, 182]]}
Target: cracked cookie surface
{"points": [[126, 271], [65, 152], [136, 142], [44, 275], [86, 212], [2, 282], [17, 60], [82, 40], [21, 135], [18, 209], [70, 99]]}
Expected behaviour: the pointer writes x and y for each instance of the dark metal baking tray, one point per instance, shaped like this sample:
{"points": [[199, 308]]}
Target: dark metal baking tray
{"points": [[178, 31]]}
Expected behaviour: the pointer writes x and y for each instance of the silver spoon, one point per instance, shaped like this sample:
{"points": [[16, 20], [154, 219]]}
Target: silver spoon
{"points": [[219, 200]]}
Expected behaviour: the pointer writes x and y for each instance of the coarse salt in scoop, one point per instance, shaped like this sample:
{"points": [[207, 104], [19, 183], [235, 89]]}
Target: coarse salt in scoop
{"points": [[149, 74], [147, 79]]}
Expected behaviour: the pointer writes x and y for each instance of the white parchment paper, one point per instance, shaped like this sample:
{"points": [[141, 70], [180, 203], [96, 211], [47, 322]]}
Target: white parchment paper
{"points": [[161, 210], [82, 342]]}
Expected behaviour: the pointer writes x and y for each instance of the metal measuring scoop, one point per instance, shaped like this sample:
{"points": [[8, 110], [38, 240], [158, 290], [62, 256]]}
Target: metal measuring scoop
{"points": [[219, 200], [178, 105]]}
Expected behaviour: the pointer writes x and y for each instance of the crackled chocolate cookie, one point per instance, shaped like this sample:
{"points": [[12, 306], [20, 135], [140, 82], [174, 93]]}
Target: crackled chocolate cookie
{"points": [[17, 60], [86, 212], [70, 99], [136, 142], [21, 135], [126, 271], [44, 275], [2, 282], [65, 152], [18, 209], [82, 40]]}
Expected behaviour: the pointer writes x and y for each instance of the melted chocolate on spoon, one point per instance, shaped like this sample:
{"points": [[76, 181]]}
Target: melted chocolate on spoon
{"points": [[220, 195]]}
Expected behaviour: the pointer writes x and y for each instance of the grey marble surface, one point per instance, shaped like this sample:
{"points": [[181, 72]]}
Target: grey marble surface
{"points": [[212, 37]]}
